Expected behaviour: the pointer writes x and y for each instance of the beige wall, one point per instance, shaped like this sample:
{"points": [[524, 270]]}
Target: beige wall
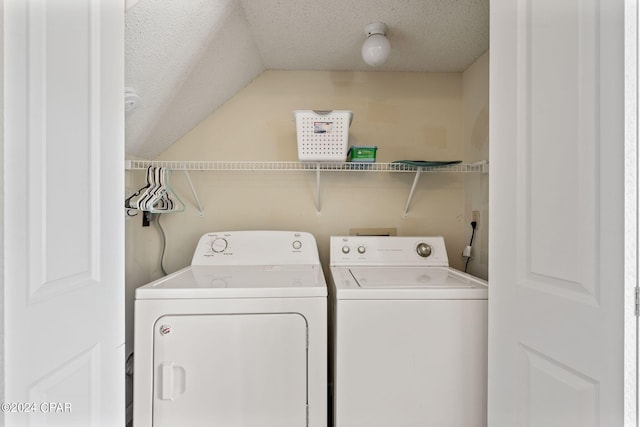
{"points": [[407, 115], [475, 101]]}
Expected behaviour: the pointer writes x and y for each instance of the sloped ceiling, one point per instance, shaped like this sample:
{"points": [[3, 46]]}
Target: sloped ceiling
{"points": [[185, 58]]}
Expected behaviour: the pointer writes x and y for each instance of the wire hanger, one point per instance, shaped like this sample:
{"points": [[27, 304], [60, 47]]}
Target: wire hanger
{"points": [[160, 197], [131, 202], [166, 200], [156, 196]]}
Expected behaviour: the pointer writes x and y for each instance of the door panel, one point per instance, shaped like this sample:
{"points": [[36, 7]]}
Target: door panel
{"points": [[556, 199], [555, 394], [56, 193], [63, 221], [70, 391], [560, 143]]}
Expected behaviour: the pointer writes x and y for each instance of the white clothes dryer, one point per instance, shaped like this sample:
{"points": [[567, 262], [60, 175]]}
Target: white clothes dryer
{"points": [[238, 338], [409, 335]]}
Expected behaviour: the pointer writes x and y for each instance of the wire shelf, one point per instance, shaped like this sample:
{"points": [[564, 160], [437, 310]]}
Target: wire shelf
{"points": [[216, 165]]}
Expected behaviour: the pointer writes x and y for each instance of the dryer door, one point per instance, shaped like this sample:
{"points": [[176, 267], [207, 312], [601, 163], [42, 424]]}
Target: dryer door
{"points": [[230, 370]]}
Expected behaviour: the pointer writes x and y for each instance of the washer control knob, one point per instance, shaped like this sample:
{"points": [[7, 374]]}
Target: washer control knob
{"points": [[361, 249], [219, 245], [423, 249], [346, 249], [297, 244]]}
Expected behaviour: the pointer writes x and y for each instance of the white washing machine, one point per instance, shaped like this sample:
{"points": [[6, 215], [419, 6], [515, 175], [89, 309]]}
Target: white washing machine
{"points": [[409, 335], [239, 338]]}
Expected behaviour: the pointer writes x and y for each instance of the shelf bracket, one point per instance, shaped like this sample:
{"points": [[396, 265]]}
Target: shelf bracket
{"points": [[413, 189], [318, 189], [193, 191]]}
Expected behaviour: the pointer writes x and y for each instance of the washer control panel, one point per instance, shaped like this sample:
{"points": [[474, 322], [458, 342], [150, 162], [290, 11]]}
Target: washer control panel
{"points": [[387, 251], [256, 248]]}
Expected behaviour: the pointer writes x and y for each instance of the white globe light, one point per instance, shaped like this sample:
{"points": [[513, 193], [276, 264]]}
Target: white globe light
{"points": [[376, 47]]}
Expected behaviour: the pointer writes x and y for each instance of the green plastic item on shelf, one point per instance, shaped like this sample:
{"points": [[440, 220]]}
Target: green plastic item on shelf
{"points": [[362, 154]]}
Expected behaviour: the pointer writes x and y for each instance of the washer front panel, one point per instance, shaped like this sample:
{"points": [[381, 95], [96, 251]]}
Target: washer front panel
{"points": [[410, 363]]}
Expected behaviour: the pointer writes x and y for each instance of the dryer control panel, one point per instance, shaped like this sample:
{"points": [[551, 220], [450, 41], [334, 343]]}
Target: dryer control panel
{"points": [[388, 251], [256, 248]]}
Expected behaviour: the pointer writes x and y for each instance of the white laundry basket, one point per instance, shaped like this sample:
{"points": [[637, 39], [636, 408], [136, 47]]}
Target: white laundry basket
{"points": [[323, 135]]}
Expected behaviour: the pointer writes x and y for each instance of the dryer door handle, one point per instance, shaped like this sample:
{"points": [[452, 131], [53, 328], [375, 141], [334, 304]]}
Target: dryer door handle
{"points": [[167, 381]]}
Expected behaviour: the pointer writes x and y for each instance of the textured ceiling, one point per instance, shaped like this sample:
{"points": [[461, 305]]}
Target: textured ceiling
{"points": [[185, 58]]}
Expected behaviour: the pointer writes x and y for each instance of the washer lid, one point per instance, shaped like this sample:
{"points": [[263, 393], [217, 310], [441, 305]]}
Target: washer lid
{"points": [[406, 283], [262, 281], [411, 277]]}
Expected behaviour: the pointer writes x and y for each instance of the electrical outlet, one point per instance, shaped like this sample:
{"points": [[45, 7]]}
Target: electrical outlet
{"points": [[147, 217], [475, 216]]}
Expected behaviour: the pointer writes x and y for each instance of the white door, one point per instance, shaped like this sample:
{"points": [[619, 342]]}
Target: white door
{"points": [[556, 199], [62, 213], [232, 370]]}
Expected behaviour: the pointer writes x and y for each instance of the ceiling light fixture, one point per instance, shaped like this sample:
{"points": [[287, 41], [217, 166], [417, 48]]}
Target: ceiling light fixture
{"points": [[376, 47]]}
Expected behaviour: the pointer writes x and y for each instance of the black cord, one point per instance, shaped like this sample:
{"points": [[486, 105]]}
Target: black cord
{"points": [[473, 233], [164, 244]]}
